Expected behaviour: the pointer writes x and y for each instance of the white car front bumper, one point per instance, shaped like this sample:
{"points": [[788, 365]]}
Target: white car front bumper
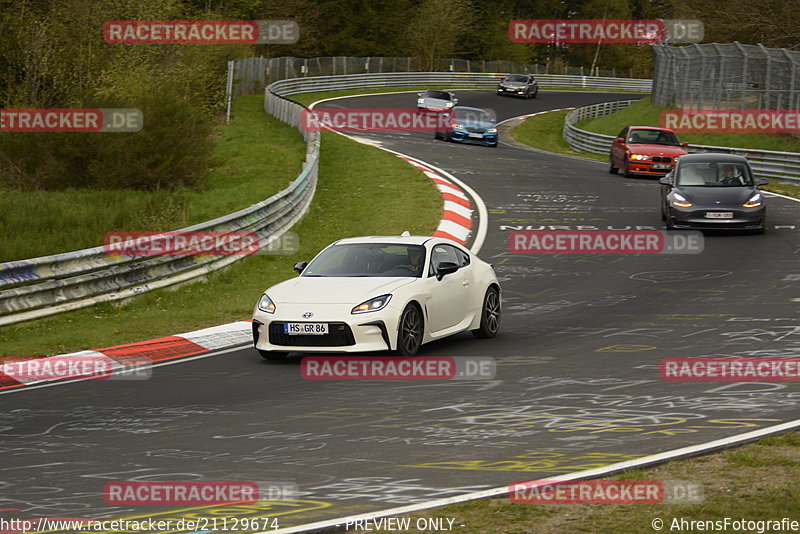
{"points": [[364, 332]]}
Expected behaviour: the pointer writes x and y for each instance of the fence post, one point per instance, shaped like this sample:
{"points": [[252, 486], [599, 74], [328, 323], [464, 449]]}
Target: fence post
{"points": [[793, 93], [229, 91], [768, 82]]}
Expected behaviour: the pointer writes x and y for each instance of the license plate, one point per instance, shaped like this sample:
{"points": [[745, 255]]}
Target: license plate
{"points": [[305, 329], [719, 215], [475, 135], [657, 167]]}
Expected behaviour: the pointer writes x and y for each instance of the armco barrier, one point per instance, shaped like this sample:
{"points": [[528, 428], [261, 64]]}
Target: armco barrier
{"points": [[766, 163], [450, 79], [44, 286]]}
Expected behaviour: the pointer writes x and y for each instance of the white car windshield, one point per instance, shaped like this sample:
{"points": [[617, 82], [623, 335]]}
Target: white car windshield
{"points": [[713, 174], [368, 259], [440, 95]]}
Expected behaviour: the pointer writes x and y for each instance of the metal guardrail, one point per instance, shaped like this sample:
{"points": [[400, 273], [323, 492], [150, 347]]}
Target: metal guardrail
{"points": [[450, 79], [47, 285], [248, 76], [769, 164]]}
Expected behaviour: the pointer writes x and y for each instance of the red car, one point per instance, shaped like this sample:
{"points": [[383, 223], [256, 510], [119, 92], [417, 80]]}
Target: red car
{"points": [[645, 151]]}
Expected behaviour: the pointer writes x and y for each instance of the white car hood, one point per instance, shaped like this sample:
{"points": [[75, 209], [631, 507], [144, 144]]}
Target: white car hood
{"points": [[335, 290]]}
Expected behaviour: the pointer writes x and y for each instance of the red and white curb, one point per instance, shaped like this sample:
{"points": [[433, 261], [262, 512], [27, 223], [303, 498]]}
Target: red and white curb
{"points": [[456, 223], [134, 354]]}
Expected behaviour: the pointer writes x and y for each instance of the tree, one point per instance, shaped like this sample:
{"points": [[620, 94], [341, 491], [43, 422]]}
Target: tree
{"points": [[773, 23], [436, 30]]}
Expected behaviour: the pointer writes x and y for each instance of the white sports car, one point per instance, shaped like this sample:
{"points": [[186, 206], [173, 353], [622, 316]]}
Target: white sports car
{"points": [[378, 293], [435, 100]]}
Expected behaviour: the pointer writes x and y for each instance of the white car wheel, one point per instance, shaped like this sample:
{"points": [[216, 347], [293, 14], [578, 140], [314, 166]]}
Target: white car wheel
{"points": [[490, 314], [409, 332]]}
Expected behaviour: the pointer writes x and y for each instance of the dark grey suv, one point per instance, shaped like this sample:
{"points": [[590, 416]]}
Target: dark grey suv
{"points": [[523, 85], [713, 191]]}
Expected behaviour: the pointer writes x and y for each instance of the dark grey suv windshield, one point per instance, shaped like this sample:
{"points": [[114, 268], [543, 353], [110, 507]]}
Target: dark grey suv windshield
{"points": [[714, 174]]}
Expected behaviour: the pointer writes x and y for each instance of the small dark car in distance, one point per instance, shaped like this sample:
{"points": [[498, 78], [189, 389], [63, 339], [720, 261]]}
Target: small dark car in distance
{"points": [[470, 124], [713, 191], [645, 151], [523, 85]]}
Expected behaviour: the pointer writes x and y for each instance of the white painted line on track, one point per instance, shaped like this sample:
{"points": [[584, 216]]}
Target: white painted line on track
{"points": [[589, 473], [148, 366]]}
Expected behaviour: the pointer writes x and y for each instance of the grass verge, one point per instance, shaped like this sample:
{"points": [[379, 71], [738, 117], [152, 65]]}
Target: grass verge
{"points": [[40, 223], [545, 132], [756, 481], [362, 190], [644, 113]]}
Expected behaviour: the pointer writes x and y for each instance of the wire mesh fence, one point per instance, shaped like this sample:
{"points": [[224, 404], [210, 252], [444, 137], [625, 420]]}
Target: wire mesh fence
{"points": [[726, 76], [251, 75]]}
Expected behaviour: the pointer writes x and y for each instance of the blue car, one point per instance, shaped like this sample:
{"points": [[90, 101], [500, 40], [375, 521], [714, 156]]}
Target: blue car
{"points": [[471, 125]]}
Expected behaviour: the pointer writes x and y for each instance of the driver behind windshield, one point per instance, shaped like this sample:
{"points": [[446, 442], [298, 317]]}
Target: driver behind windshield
{"points": [[415, 257], [730, 176]]}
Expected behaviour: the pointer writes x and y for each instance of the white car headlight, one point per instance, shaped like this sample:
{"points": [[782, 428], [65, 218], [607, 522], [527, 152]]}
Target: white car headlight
{"points": [[265, 304], [371, 305], [420, 101], [492, 130], [448, 105]]}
